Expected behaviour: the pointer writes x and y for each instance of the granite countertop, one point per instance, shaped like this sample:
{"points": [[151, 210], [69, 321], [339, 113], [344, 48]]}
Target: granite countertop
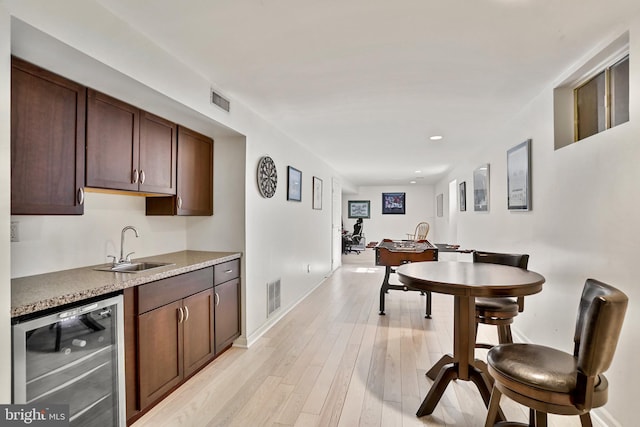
{"points": [[34, 293]]}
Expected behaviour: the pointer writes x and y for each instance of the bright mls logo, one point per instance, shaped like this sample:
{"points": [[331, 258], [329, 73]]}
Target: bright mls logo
{"points": [[41, 415]]}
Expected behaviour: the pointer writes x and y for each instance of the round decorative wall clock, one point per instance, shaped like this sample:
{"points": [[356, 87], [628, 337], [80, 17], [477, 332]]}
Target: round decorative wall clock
{"points": [[267, 177]]}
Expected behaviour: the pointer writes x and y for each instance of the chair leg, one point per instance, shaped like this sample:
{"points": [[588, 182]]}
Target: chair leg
{"points": [[504, 334], [541, 419], [427, 314], [532, 417], [494, 406], [585, 419]]}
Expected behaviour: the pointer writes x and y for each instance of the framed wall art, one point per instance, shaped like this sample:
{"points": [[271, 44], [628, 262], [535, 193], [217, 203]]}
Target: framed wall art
{"points": [[463, 196], [393, 203], [519, 177], [359, 209], [440, 205], [317, 193], [294, 184], [481, 188]]}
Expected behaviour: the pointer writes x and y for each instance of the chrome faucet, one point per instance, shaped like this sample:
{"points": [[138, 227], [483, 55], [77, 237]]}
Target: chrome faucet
{"points": [[126, 259]]}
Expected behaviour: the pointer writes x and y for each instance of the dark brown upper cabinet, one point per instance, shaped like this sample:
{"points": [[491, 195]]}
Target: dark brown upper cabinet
{"points": [[195, 178], [47, 142], [158, 150], [128, 149]]}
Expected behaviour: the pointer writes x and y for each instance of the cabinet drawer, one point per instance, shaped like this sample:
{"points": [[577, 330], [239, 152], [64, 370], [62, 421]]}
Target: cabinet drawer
{"points": [[226, 271], [156, 294]]}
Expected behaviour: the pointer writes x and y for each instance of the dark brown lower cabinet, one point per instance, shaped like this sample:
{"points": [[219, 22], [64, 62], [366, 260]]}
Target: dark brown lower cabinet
{"points": [[198, 335], [174, 341], [227, 314], [160, 352], [174, 327], [169, 335]]}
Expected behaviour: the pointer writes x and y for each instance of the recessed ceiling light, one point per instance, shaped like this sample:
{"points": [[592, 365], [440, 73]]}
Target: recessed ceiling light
{"points": [[435, 137], [417, 171], [412, 182]]}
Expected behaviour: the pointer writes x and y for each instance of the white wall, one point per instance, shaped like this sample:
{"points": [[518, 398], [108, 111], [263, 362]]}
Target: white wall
{"points": [[583, 224], [5, 201], [278, 238], [285, 240], [50, 243], [420, 205]]}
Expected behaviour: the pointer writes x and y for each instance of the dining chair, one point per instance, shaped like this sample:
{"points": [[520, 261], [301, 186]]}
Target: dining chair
{"points": [[420, 233], [552, 381], [499, 311]]}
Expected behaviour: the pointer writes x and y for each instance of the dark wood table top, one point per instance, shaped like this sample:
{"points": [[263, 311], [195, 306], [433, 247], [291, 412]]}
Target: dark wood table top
{"points": [[470, 279]]}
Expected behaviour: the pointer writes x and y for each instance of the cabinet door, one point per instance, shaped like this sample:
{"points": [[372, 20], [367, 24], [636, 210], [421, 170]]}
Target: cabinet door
{"points": [[160, 365], [112, 143], [198, 330], [157, 154], [195, 173], [227, 314], [47, 142]]}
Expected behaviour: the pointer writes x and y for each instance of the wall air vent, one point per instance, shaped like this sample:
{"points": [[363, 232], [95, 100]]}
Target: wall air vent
{"points": [[220, 101], [273, 296]]}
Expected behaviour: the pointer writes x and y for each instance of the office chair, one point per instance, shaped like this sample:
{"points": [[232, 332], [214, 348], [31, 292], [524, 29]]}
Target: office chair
{"points": [[355, 239], [552, 381]]}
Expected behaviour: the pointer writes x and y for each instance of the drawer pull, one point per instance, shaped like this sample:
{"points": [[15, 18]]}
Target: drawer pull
{"points": [[229, 271]]}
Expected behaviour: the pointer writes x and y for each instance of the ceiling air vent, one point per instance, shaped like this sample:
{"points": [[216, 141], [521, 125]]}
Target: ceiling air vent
{"points": [[220, 101]]}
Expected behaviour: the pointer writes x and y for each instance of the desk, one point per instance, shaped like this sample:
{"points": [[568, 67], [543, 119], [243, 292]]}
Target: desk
{"points": [[392, 253], [465, 281]]}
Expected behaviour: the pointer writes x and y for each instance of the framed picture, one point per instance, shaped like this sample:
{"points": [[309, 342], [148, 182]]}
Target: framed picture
{"points": [[317, 193], [393, 203], [463, 196], [439, 204], [519, 177], [481, 188], [359, 209], [294, 184]]}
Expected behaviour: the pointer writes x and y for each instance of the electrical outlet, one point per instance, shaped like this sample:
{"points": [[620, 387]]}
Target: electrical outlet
{"points": [[15, 236]]}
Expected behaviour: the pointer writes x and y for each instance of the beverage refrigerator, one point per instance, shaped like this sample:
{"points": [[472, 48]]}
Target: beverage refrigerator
{"points": [[74, 357]]}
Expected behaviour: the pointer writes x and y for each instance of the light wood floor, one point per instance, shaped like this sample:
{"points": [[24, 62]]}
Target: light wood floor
{"points": [[333, 361]]}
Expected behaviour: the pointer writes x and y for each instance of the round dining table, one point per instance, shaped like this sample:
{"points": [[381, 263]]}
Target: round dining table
{"points": [[465, 281]]}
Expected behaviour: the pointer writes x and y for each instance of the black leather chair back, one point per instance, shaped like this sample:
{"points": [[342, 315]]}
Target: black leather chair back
{"points": [[514, 260]]}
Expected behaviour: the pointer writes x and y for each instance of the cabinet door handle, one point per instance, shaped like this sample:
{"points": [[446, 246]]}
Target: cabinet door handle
{"points": [[141, 176], [135, 176], [217, 299], [181, 315], [186, 310], [80, 195], [179, 202]]}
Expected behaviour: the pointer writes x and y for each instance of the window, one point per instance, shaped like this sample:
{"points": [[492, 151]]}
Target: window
{"points": [[603, 101]]}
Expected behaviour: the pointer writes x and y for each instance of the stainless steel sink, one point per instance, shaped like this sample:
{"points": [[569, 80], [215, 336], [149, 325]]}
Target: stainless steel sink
{"points": [[134, 267]]}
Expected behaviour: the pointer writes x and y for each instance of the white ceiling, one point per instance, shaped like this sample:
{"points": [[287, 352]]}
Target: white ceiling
{"points": [[364, 83]]}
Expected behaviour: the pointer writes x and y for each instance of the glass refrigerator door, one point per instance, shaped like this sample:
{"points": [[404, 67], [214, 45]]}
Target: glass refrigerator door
{"points": [[74, 358]]}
